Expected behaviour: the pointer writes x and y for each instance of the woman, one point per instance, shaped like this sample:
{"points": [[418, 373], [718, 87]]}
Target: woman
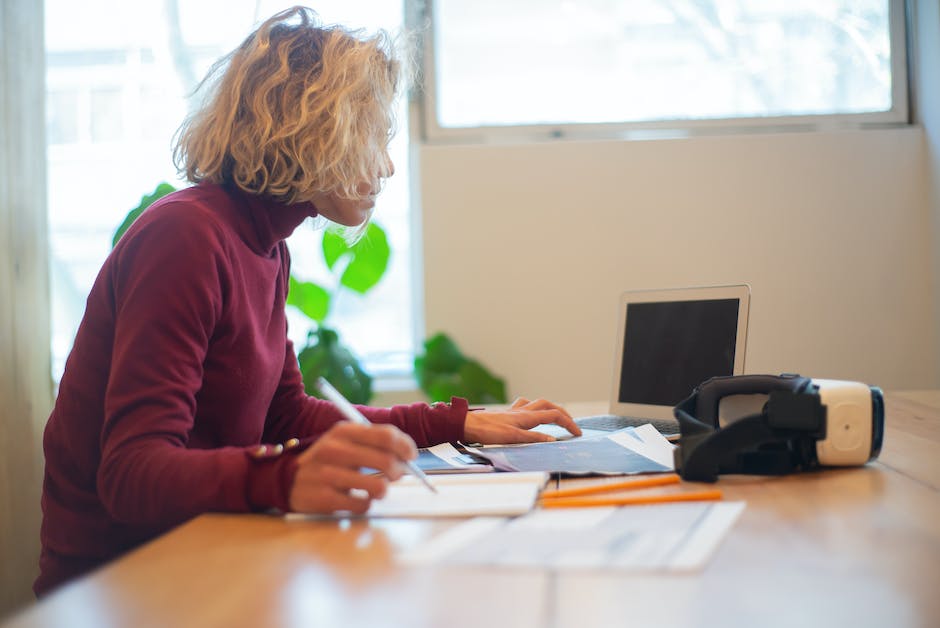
{"points": [[182, 394]]}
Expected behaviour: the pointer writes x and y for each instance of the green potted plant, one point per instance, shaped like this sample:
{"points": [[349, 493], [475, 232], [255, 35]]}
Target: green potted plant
{"points": [[443, 371], [360, 267]]}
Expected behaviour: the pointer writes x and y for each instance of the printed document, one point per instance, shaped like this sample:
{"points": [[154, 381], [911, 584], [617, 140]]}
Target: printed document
{"points": [[458, 495], [661, 537], [624, 452]]}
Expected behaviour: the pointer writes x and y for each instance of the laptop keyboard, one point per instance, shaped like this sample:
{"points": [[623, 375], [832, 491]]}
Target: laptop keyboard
{"points": [[613, 422]]}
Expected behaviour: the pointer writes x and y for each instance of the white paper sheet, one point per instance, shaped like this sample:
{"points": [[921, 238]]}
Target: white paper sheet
{"points": [[458, 495], [647, 441], [456, 461], [661, 537]]}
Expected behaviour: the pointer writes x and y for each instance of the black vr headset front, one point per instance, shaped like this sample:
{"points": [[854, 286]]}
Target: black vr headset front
{"points": [[775, 425]]}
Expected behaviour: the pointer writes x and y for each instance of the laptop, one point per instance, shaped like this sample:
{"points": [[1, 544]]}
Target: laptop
{"points": [[668, 342]]}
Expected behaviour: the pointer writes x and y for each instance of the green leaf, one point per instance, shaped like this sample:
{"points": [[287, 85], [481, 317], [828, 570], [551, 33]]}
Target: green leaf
{"points": [[441, 355], [444, 372], [480, 385], [325, 357], [334, 246], [368, 258], [442, 387], [146, 201], [311, 299]]}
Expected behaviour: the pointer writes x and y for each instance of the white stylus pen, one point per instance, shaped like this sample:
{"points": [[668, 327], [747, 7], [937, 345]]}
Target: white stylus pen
{"points": [[351, 413]]}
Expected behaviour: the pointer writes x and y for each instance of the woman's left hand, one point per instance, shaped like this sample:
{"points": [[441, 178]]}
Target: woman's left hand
{"points": [[514, 425]]}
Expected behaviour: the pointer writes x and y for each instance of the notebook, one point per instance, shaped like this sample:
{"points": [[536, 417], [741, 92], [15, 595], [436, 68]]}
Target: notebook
{"points": [[668, 342]]}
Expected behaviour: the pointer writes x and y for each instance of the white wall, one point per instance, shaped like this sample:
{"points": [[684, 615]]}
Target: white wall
{"points": [[527, 247]]}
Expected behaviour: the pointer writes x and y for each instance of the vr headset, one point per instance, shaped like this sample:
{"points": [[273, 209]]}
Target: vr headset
{"points": [[774, 425]]}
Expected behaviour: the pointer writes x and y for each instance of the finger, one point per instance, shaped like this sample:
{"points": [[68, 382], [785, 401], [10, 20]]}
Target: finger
{"points": [[344, 480], [325, 500], [346, 444], [339, 452], [566, 421], [514, 435], [383, 437], [555, 406], [530, 418], [519, 402], [544, 404], [356, 504], [315, 474], [324, 488]]}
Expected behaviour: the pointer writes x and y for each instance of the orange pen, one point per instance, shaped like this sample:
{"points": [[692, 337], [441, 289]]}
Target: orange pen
{"points": [[653, 480], [583, 502]]}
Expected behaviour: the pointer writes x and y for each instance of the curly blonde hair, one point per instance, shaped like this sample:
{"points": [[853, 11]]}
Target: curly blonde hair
{"points": [[297, 109]]}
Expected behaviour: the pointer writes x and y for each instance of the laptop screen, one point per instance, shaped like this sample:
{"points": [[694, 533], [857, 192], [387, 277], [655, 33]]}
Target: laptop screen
{"points": [[670, 347]]}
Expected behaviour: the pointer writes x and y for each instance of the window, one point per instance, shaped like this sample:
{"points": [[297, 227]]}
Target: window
{"points": [[117, 91], [554, 67]]}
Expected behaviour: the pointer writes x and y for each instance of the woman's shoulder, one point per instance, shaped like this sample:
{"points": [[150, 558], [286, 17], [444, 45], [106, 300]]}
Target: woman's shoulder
{"points": [[198, 202], [199, 210], [190, 222]]}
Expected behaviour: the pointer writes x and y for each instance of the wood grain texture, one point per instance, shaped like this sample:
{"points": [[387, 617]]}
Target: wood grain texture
{"points": [[854, 546]]}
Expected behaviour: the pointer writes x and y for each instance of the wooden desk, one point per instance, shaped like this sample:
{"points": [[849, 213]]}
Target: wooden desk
{"points": [[852, 547]]}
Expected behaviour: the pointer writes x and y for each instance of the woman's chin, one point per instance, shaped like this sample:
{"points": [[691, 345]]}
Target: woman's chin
{"points": [[358, 219], [351, 214]]}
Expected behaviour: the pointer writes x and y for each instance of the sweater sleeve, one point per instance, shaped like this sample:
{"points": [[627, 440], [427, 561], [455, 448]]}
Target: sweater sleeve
{"points": [[167, 288]]}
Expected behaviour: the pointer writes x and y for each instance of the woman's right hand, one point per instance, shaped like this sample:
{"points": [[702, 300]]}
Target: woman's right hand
{"points": [[329, 470]]}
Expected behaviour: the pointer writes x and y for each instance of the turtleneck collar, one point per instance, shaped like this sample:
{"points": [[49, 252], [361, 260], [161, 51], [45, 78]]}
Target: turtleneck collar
{"points": [[269, 221]]}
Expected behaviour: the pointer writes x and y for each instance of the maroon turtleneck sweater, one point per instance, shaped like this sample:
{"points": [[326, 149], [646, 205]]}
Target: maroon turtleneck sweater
{"points": [[180, 369]]}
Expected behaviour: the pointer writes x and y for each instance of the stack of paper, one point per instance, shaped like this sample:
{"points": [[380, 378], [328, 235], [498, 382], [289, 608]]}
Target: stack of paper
{"points": [[459, 495], [627, 451], [666, 537], [445, 458], [462, 495]]}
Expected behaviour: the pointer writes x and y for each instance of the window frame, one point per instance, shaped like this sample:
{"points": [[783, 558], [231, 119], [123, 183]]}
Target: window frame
{"points": [[425, 97]]}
